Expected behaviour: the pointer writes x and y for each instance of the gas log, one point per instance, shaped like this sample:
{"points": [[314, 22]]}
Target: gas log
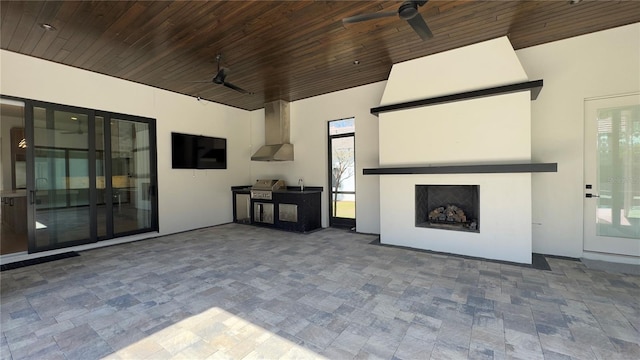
{"points": [[450, 213]]}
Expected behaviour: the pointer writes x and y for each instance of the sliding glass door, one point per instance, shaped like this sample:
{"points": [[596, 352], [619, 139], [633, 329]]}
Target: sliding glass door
{"points": [[131, 178], [89, 175], [61, 189], [125, 176]]}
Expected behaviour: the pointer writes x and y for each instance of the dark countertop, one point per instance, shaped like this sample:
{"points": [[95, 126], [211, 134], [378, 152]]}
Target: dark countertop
{"points": [[241, 189], [290, 190]]}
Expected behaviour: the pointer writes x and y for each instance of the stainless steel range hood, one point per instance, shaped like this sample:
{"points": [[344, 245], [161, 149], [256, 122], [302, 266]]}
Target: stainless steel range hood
{"points": [[276, 133]]}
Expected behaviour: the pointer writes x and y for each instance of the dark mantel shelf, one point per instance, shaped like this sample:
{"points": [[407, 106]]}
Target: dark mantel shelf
{"points": [[535, 87], [465, 169]]}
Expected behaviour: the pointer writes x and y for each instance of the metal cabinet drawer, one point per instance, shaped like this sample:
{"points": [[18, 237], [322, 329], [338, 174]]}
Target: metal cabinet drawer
{"points": [[288, 212]]}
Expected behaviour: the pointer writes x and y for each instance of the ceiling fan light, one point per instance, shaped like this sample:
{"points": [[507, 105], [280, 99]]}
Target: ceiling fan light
{"points": [[408, 10]]}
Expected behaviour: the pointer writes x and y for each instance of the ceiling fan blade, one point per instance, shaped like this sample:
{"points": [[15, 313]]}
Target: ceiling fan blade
{"points": [[366, 17], [238, 89], [420, 27]]}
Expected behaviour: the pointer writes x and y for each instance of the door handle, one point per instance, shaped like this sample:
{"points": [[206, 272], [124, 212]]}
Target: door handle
{"points": [[592, 195], [32, 197]]}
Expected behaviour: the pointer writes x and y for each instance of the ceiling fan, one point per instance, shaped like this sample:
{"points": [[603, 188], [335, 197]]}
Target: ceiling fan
{"points": [[408, 11], [221, 77]]}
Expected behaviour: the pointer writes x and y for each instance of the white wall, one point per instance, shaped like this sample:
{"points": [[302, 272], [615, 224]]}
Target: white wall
{"points": [[494, 129], [482, 65], [505, 216], [593, 65], [188, 199], [487, 130], [309, 136]]}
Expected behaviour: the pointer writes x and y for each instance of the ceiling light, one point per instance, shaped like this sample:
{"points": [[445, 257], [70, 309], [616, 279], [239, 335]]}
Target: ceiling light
{"points": [[573, 2], [47, 27], [74, 118], [356, 62]]}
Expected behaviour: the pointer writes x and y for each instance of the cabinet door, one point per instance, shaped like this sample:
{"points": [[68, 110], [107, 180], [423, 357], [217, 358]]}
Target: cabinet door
{"points": [[288, 212]]}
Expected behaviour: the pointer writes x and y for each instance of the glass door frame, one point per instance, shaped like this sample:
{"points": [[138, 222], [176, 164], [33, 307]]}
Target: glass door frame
{"points": [[108, 170], [50, 109], [29, 133], [600, 189], [335, 221]]}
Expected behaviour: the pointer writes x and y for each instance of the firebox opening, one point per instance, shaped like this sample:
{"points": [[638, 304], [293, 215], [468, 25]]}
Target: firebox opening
{"points": [[448, 207]]}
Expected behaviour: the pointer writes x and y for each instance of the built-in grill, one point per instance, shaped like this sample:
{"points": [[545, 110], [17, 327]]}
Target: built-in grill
{"points": [[263, 189]]}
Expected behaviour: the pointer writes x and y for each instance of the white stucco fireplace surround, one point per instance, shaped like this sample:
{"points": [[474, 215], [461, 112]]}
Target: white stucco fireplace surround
{"points": [[490, 130]]}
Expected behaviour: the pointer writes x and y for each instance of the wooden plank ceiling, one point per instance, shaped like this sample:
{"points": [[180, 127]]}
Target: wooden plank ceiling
{"points": [[277, 49]]}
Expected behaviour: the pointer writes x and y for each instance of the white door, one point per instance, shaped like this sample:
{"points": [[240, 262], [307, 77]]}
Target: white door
{"points": [[612, 175]]}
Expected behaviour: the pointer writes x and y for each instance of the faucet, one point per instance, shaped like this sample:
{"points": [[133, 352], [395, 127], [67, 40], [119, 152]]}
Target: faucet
{"points": [[301, 183]]}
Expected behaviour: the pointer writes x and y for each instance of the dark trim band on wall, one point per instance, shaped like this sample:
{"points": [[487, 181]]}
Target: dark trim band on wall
{"points": [[535, 87], [465, 169]]}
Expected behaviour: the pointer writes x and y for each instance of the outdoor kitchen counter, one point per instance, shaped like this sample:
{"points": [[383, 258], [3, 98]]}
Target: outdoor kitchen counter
{"points": [[289, 190], [304, 206]]}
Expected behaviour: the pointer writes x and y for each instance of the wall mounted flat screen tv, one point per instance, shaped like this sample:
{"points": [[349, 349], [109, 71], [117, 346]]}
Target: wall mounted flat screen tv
{"points": [[198, 152]]}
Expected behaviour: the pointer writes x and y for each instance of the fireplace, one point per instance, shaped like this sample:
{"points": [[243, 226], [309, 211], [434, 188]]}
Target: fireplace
{"points": [[448, 207], [489, 130]]}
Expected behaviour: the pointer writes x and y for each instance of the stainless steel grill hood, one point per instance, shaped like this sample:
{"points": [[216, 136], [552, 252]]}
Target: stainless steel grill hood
{"points": [[276, 133]]}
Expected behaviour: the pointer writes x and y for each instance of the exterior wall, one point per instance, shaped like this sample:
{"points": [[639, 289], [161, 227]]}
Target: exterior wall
{"points": [[188, 199], [598, 64], [482, 65], [487, 130], [505, 216], [494, 129], [480, 131]]}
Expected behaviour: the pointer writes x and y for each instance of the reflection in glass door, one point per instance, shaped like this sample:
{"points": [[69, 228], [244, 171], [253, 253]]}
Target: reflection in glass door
{"points": [[342, 173], [13, 181], [131, 176], [62, 181], [74, 176]]}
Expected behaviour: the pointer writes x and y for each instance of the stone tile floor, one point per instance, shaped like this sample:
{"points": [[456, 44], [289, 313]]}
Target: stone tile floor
{"points": [[241, 292]]}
